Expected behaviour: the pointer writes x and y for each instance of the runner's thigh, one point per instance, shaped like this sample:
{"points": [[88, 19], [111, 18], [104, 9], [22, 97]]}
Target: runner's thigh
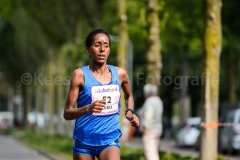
{"points": [[110, 153], [82, 157]]}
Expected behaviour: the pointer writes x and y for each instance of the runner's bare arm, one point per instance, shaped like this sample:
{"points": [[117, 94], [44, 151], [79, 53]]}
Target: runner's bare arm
{"points": [[125, 84], [76, 85]]}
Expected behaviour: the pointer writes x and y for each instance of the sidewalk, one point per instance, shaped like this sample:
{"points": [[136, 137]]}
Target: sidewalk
{"points": [[11, 149], [165, 146]]}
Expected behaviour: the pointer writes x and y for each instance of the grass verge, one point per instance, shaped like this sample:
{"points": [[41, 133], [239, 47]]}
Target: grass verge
{"points": [[61, 146]]}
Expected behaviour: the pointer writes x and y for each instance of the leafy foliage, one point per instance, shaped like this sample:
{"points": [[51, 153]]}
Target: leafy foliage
{"points": [[22, 41], [31, 30], [230, 56]]}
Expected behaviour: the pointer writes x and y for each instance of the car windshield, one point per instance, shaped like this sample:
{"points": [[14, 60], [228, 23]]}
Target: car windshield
{"points": [[194, 122], [197, 126]]}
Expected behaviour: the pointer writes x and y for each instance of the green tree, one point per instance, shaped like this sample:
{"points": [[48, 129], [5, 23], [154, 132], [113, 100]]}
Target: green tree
{"points": [[35, 29], [181, 34], [230, 58], [23, 42]]}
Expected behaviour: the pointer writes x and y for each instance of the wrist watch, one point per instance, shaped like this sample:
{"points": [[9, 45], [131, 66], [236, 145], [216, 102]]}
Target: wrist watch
{"points": [[129, 110]]}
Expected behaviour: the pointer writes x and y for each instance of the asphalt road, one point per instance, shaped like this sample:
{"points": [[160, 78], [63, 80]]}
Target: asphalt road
{"points": [[11, 149]]}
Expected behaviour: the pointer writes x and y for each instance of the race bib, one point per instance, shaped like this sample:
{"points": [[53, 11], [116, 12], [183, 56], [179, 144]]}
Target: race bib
{"points": [[112, 95]]}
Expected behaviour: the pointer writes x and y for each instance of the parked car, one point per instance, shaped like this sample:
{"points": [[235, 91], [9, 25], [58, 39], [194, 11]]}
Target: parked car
{"points": [[188, 134], [229, 136]]}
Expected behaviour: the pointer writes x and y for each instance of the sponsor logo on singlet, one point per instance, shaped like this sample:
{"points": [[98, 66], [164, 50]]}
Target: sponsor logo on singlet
{"points": [[111, 94]]}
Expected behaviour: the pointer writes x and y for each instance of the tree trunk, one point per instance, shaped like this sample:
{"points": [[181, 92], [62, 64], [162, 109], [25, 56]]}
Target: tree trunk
{"points": [[232, 73], [10, 98], [25, 105], [122, 46], [60, 98], [184, 98], [122, 34], [51, 87], [154, 61], [38, 100], [212, 51]]}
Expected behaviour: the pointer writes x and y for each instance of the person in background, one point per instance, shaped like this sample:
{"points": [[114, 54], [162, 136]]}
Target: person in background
{"points": [[151, 121], [96, 90]]}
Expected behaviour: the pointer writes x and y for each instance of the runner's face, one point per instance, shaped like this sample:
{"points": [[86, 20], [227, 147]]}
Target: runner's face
{"points": [[100, 48]]}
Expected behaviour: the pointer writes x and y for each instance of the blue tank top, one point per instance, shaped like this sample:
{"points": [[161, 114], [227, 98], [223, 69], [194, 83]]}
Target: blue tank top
{"points": [[96, 130]]}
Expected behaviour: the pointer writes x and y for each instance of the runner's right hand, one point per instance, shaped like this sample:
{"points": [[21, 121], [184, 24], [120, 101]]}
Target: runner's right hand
{"points": [[97, 106]]}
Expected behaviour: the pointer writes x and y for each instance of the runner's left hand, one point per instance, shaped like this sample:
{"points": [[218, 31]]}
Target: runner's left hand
{"points": [[133, 119]]}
